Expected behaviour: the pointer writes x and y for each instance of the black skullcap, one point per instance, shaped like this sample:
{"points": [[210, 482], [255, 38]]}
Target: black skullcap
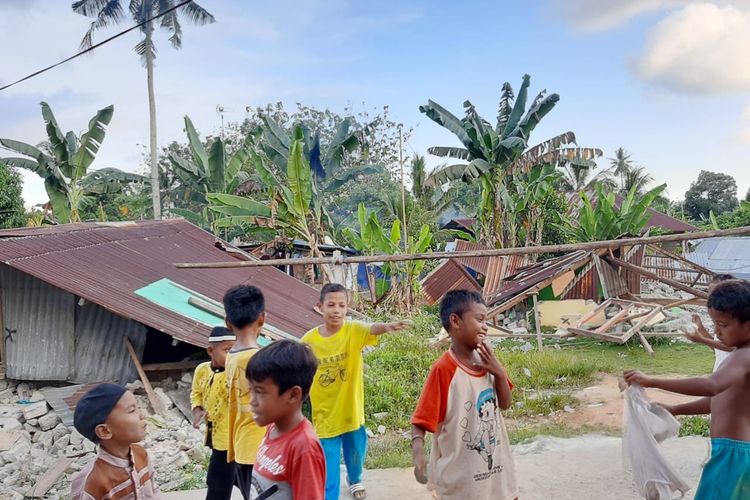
{"points": [[220, 334], [94, 408]]}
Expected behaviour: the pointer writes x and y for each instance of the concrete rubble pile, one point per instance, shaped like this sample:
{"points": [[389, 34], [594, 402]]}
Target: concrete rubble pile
{"points": [[33, 439]]}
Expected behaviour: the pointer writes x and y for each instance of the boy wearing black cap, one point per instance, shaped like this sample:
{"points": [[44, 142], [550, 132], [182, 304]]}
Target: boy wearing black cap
{"points": [[209, 400], [108, 415]]}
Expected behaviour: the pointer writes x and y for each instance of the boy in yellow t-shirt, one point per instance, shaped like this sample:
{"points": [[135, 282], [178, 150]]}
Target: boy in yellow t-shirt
{"points": [[244, 307], [337, 393], [208, 398]]}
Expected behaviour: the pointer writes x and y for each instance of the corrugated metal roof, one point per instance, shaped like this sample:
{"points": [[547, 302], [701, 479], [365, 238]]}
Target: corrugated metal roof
{"points": [[479, 264], [532, 275], [106, 263], [449, 275], [64, 400], [724, 255]]}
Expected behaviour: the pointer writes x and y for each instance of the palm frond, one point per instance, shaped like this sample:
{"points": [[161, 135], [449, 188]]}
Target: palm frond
{"points": [[505, 107], [197, 14], [450, 152]]}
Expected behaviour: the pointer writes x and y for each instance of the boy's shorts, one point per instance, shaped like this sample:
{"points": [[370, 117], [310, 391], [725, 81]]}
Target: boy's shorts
{"points": [[726, 475]]}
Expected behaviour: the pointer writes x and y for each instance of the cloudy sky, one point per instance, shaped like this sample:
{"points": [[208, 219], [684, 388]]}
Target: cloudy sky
{"points": [[668, 80]]}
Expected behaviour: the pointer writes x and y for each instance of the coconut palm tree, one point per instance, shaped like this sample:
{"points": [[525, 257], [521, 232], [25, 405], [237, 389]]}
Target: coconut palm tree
{"points": [[621, 163], [575, 177], [110, 12], [636, 178]]}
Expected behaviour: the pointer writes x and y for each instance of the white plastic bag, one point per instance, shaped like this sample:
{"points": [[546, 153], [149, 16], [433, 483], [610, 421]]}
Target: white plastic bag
{"points": [[645, 426]]}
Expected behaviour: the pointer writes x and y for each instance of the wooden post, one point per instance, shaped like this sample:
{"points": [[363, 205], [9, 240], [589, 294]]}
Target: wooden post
{"points": [[537, 322], [152, 397], [50, 477]]}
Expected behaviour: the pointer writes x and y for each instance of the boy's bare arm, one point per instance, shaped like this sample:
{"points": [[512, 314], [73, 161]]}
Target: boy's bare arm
{"points": [[716, 344], [381, 328], [700, 406], [417, 453], [730, 373]]}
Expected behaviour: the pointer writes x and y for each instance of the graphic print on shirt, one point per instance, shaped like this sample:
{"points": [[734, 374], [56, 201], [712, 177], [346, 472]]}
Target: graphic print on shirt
{"points": [[332, 368], [484, 441]]}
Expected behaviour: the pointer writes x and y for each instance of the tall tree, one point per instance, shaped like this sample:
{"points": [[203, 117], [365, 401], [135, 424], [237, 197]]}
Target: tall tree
{"points": [[110, 12], [711, 192], [747, 195], [621, 163], [496, 153], [635, 178], [11, 202], [576, 177]]}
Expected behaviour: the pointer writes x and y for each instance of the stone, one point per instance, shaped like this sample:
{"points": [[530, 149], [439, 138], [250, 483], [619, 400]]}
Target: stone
{"points": [[134, 386], [381, 429], [166, 401], [37, 396], [29, 428], [519, 330], [178, 460], [187, 377], [63, 441], [35, 410], [88, 446], [9, 411], [76, 438], [18, 452], [34, 422], [23, 390], [196, 454], [381, 415], [10, 424], [3, 384], [48, 421]]}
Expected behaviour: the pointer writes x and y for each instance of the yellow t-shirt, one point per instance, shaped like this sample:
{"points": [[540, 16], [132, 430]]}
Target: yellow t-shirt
{"points": [[337, 393], [244, 434], [210, 393]]}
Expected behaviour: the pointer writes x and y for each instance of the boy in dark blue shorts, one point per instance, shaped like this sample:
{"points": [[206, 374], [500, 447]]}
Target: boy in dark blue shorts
{"points": [[725, 396]]}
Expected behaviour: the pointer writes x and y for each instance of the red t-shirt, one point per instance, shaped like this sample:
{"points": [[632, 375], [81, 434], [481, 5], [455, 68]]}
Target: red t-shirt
{"points": [[292, 463]]}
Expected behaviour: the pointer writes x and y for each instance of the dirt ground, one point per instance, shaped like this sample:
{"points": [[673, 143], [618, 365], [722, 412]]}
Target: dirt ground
{"points": [[548, 469], [551, 468]]}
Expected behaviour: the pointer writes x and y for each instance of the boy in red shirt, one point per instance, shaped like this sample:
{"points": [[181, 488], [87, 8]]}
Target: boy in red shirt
{"points": [[460, 405], [290, 462]]}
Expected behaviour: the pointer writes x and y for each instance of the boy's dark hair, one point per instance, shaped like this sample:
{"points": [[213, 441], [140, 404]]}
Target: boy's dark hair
{"points": [[457, 302], [287, 363], [718, 278], [330, 288], [243, 305], [732, 297]]}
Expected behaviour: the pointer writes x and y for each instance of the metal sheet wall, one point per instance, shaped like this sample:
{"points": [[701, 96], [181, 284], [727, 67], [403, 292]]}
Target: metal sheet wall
{"points": [[38, 323], [100, 353]]}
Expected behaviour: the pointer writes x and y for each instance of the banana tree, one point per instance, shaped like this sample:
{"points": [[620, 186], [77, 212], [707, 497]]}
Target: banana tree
{"points": [[400, 284], [496, 154], [326, 160], [64, 164], [603, 220], [291, 204], [207, 170]]}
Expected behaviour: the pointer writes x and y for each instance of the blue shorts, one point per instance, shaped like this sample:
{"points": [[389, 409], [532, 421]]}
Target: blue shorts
{"points": [[726, 475]]}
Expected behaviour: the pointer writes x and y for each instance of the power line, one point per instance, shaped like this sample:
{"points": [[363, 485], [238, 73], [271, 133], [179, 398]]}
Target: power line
{"points": [[32, 75]]}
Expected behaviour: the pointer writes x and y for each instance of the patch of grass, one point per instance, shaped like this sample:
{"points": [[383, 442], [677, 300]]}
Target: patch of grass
{"points": [[390, 450], [695, 425]]}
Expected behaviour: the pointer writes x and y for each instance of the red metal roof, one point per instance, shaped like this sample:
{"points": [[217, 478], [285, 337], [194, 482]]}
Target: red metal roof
{"points": [[105, 263], [448, 276]]}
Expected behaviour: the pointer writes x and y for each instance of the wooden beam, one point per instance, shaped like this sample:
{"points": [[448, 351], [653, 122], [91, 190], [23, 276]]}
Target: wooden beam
{"points": [[177, 365], [670, 301], [156, 403], [537, 322], [649, 274], [617, 318], [641, 323], [599, 336], [682, 259], [50, 477], [675, 269], [583, 319], [571, 247]]}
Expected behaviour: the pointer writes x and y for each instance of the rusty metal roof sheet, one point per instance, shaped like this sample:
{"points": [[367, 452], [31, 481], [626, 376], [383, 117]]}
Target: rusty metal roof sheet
{"points": [[532, 275], [106, 263], [450, 275]]}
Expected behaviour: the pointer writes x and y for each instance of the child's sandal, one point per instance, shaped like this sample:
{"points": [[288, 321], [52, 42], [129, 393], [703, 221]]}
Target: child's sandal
{"points": [[358, 491]]}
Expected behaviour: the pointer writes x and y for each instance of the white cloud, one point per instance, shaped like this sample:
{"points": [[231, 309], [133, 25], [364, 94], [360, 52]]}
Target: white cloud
{"points": [[599, 15], [702, 48]]}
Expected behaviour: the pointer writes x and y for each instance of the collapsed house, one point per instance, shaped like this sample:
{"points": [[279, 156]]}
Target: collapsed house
{"points": [[72, 293], [580, 292]]}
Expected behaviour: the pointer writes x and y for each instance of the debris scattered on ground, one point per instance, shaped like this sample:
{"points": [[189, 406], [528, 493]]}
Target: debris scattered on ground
{"points": [[33, 440]]}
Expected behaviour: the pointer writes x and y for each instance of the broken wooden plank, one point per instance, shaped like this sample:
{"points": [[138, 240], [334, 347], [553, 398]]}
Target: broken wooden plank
{"points": [[617, 318], [50, 477], [645, 344], [537, 322], [181, 400], [592, 334], [654, 276], [640, 324], [156, 403], [666, 301], [582, 321]]}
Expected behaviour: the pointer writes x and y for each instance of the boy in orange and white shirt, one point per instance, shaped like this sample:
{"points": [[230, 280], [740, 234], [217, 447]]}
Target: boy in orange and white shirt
{"points": [[460, 405]]}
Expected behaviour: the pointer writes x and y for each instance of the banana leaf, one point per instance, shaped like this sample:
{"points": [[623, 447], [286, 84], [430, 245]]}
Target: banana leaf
{"points": [[91, 141]]}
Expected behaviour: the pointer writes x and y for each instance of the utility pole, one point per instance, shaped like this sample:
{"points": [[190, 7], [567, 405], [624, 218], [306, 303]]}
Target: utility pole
{"points": [[403, 186]]}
